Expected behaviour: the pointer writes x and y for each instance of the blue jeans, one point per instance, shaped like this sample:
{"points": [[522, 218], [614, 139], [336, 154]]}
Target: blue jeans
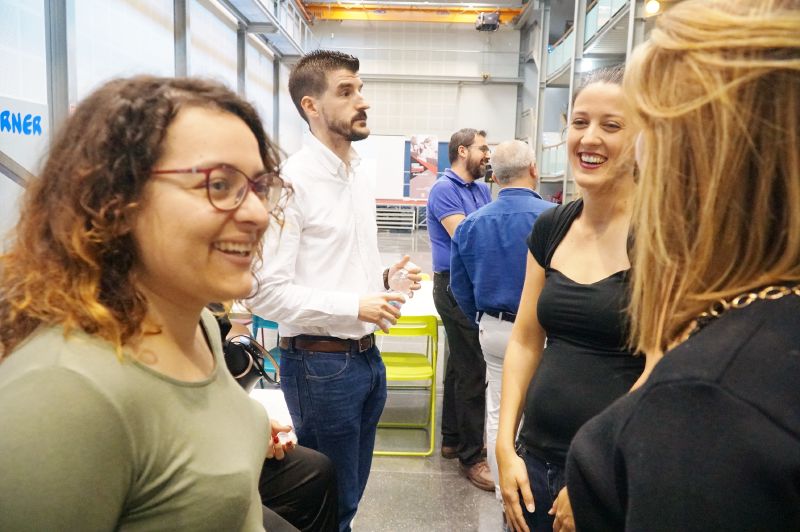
{"points": [[335, 400], [546, 480]]}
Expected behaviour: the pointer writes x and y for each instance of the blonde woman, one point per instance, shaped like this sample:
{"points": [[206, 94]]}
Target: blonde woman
{"points": [[711, 441], [575, 294]]}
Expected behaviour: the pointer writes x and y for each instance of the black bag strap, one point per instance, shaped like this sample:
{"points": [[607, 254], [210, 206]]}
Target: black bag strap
{"points": [[244, 369]]}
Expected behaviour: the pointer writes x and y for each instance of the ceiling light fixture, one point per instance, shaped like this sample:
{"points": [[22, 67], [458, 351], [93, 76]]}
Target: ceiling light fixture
{"points": [[652, 7]]}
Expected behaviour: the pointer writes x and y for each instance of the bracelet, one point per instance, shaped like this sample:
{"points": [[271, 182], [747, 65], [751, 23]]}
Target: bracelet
{"points": [[386, 278]]}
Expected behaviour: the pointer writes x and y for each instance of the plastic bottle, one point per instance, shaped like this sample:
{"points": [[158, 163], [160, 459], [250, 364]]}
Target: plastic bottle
{"points": [[400, 283], [286, 437]]}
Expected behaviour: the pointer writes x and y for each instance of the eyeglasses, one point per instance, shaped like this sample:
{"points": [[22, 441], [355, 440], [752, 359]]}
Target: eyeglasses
{"points": [[484, 148], [227, 186]]}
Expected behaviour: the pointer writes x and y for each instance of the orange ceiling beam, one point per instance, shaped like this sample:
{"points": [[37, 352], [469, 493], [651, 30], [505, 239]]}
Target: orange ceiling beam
{"points": [[391, 13]]}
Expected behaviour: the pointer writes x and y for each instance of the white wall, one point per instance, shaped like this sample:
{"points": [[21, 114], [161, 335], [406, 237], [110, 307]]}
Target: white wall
{"points": [[382, 160], [441, 109], [413, 108], [115, 38], [428, 49], [23, 73], [493, 110], [10, 194], [213, 44], [259, 83], [23, 78], [291, 127], [556, 103], [423, 47], [23, 88]]}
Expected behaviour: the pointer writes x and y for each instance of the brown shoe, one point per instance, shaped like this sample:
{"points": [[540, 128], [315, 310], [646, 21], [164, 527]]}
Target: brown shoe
{"points": [[449, 452], [478, 474]]}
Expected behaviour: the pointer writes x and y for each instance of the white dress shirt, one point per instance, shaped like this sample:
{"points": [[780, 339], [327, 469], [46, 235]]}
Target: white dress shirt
{"points": [[325, 257]]}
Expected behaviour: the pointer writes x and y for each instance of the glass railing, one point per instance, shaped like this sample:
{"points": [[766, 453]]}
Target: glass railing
{"points": [[561, 52], [554, 160], [598, 15]]}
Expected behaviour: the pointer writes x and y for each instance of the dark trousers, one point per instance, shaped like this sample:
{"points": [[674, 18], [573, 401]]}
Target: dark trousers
{"points": [[464, 401], [546, 481], [301, 490]]}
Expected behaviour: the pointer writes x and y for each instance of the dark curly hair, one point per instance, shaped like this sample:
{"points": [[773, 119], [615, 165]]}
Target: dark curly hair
{"points": [[71, 258]]}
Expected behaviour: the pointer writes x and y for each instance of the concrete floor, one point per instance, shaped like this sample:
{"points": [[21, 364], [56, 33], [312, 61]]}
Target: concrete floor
{"points": [[422, 493], [419, 493], [393, 245]]}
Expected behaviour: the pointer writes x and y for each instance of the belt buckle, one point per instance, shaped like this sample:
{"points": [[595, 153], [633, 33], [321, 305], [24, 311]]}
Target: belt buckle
{"points": [[367, 343]]}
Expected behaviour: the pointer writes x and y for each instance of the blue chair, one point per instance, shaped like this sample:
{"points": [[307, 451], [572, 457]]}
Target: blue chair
{"points": [[259, 326]]}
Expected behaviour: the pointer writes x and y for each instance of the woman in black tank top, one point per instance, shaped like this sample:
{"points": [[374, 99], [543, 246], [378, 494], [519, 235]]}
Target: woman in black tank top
{"points": [[575, 297]]}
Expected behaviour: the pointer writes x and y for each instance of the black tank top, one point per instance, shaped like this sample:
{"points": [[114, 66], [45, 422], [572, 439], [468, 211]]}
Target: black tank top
{"points": [[585, 365]]}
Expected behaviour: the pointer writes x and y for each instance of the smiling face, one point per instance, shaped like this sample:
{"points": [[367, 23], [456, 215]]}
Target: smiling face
{"points": [[187, 250], [599, 142], [342, 107]]}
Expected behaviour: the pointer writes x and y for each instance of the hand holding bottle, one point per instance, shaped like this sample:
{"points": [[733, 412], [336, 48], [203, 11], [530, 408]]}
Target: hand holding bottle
{"points": [[380, 309], [404, 277]]}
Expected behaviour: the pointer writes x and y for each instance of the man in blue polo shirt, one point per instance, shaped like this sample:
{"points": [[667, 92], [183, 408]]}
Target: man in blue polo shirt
{"points": [[487, 267], [455, 195]]}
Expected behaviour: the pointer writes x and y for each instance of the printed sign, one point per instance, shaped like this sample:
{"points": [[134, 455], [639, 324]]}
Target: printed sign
{"points": [[24, 131], [424, 165]]}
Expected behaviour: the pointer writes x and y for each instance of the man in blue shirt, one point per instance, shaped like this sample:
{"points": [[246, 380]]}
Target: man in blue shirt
{"points": [[455, 195], [487, 267]]}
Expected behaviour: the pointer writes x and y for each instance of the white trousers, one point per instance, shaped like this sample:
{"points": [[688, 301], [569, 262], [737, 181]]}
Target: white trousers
{"points": [[494, 335]]}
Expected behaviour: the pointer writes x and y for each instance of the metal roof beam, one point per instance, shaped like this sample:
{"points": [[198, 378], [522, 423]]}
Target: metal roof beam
{"points": [[261, 27], [459, 80], [15, 171], [381, 12]]}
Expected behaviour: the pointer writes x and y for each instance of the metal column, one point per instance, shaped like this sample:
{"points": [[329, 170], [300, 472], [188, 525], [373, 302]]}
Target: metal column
{"points": [[181, 36], [577, 55], [276, 101], [241, 59], [636, 24], [55, 19], [542, 81]]}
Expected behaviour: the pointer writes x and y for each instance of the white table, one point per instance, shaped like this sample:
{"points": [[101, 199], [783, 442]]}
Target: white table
{"points": [[273, 402], [422, 302]]}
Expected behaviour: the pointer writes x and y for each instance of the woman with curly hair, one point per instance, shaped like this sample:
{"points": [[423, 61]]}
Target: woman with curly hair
{"points": [[711, 440], [116, 409]]}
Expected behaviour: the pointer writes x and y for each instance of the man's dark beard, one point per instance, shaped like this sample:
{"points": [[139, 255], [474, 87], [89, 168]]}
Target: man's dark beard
{"points": [[345, 129], [475, 170]]}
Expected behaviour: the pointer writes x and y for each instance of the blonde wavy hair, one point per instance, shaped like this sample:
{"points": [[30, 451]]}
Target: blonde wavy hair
{"points": [[71, 259], [716, 91]]}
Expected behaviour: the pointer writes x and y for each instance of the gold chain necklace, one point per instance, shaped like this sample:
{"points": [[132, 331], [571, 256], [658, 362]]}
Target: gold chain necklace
{"points": [[721, 306]]}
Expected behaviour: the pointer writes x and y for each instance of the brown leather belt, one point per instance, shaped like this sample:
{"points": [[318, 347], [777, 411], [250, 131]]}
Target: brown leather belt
{"points": [[326, 344]]}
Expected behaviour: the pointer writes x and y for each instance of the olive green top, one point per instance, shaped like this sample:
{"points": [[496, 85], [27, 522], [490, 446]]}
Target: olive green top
{"points": [[91, 443]]}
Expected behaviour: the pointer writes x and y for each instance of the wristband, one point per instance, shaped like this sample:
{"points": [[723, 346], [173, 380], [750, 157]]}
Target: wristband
{"points": [[386, 278]]}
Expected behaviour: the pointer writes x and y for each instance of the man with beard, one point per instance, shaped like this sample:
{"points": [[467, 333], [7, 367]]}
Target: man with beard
{"points": [[455, 195], [323, 281]]}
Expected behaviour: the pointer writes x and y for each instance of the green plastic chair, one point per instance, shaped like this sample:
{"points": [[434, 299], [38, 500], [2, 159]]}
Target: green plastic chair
{"points": [[405, 367]]}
